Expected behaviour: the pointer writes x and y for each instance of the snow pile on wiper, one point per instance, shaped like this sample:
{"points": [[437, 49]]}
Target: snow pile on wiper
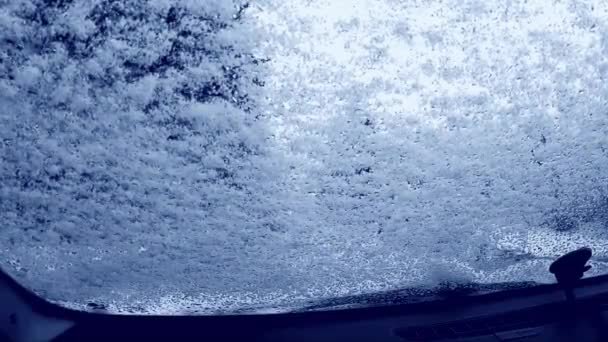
{"points": [[183, 156]]}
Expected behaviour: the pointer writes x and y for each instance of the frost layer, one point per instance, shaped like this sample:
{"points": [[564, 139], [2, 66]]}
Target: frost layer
{"points": [[162, 156]]}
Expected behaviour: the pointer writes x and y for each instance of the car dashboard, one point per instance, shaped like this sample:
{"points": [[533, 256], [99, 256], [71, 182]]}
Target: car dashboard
{"points": [[571, 310]]}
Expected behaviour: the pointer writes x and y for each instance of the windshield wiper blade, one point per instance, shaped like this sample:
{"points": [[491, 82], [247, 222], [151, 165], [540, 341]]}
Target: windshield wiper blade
{"points": [[410, 295]]}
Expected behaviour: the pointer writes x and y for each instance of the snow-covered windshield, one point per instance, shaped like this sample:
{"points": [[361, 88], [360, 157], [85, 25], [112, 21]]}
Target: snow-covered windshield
{"points": [[202, 156]]}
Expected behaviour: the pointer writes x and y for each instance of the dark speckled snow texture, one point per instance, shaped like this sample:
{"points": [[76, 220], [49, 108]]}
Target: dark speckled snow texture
{"points": [[200, 156]]}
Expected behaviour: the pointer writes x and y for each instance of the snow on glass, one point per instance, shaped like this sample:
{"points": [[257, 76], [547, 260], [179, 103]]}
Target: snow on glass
{"points": [[171, 156]]}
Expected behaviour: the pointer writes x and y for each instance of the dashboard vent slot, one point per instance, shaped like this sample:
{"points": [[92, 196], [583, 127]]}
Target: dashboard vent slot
{"points": [[479, 326]]}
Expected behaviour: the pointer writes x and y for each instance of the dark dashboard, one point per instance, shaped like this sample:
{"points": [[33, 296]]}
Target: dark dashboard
{"points": [[571, 310]]}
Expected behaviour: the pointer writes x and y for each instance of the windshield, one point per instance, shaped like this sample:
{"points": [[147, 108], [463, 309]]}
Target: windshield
{"points": [[208, 156]]}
